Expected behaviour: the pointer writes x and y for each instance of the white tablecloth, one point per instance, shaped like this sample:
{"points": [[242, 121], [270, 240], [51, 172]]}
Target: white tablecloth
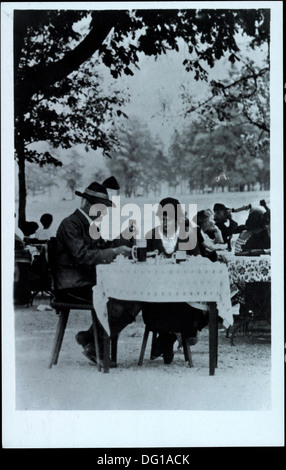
{"points": [[196, 280]]}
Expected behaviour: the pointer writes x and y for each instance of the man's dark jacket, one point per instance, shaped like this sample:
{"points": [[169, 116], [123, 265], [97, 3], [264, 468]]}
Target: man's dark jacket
{"points": [[228, 231], [78, 253]]}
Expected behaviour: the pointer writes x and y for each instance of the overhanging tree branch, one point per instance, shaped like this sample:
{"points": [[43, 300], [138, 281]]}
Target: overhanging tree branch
{"points": [[40, 77], [246, 77], [226, 87], [259, 125]]}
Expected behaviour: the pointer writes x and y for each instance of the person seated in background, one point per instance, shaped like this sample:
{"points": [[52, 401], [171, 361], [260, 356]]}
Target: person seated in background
{"points": [[167, 319], [36, 275], [224, 221], [45, 233], [29, 229], [22, 272], [255, 239], [79, 249], [209, 247], [267, 223]]}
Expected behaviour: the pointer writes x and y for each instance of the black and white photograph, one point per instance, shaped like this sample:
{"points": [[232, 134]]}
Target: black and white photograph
{"points": [[142, 224]]}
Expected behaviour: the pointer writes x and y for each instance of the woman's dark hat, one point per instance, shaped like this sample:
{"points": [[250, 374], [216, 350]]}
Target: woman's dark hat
{"points": [[96, 193]]}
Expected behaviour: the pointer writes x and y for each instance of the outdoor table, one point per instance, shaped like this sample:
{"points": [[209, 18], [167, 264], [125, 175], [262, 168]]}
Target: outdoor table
{"points": [[246, 270], [195, 280]]}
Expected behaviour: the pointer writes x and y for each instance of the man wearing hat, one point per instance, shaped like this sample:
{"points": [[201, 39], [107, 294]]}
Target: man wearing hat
{"points": [[78, 253], [224, 221]]}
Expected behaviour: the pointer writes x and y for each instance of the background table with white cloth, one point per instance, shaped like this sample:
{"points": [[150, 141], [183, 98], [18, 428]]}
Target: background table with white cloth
{"points": [[245, 269], [246, 274]]}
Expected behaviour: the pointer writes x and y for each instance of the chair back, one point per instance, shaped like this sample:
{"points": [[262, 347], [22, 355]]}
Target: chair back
{"points": [[34, 241], [61, 301]]}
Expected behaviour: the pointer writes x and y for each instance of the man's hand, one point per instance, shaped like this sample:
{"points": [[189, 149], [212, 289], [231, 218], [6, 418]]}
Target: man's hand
{"points": [[221, 258], [122, 250]]}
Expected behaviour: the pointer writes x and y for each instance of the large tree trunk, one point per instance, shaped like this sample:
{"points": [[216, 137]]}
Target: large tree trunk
{"points": [[22, 186]]}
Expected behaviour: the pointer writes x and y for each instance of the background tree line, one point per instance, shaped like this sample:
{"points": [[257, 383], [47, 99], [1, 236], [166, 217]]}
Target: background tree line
{"points": [[196, 161]]}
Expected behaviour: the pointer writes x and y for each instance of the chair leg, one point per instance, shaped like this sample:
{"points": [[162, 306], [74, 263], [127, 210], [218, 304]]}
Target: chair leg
{"points": [[243, 323], [216, 339], [95, 334], [62, 323], [154, 337], [143, 347], [106, 352], [213, 338], [114, 343], [187, 352]]}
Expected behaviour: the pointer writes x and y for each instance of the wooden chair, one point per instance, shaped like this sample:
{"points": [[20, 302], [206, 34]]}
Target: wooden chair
{"points": [[63, 310], [186, 347], [41, 276], [34, 241], [213, 341], [257, 308]]}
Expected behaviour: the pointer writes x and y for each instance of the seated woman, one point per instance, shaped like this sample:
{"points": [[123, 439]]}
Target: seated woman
{"points": [[167, 319], [209, 247]]}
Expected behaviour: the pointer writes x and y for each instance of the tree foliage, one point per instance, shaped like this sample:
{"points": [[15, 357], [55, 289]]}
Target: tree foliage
{"points": [[133, 161], [48, 48], [226, 157], [57, 95], [243, 98], [72, 172], [236, 112]]}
